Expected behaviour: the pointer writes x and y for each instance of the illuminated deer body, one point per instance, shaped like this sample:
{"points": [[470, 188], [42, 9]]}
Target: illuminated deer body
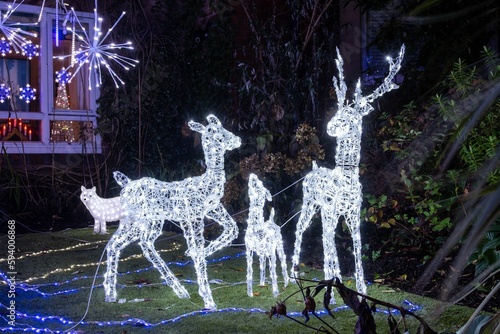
{"points": [[149, 202], [263, 238], [337, 192]]}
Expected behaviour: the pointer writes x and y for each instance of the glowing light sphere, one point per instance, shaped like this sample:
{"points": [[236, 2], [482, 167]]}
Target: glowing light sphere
{"points": [[4, 93], [263, 238], [27, 93], [337, 192], [149, 202], [95, 53], [4, 47], [12, 30], [30, 50], [63, 76], [102, 209]]}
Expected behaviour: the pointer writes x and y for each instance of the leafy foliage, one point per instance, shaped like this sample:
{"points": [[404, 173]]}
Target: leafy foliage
{"points": [[356, 301], [442, 151]]}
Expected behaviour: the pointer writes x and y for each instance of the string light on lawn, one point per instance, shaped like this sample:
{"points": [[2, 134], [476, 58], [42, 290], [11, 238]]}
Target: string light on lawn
{"points": [[146, 324], [72, 267], [12, 31], [95, 53]]}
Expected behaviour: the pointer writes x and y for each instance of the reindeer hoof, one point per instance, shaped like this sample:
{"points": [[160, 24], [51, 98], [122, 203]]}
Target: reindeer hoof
{"points": [[110, 299], [210, 307]]}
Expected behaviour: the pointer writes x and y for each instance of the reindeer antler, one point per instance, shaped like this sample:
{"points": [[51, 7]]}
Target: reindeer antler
{"points": [[388, 85], [342, 88]]}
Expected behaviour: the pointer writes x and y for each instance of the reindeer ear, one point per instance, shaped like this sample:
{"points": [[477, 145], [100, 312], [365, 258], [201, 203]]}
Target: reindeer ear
{"points": [[213, 120], [268, 196], [82, 188], [93, 189], [195, 126]]}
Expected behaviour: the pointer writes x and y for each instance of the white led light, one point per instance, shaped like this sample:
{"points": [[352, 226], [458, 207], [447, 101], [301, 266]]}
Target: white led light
{"points": [[337, 192], [102, 209], [149, 202], [263, 237]]}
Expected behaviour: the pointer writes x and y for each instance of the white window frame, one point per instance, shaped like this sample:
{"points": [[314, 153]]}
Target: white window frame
{"points": [[46, 93]]}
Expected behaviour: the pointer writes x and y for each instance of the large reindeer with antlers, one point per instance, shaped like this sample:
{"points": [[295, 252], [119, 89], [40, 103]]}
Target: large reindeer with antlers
{"points": [[149, 202], [337, 192]]}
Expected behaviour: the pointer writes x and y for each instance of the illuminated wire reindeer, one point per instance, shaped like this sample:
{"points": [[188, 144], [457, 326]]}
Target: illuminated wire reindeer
{"points": [[149, 202], [337, 192], [263, 237]]}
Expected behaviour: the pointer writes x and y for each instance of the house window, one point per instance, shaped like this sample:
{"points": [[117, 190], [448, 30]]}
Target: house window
{"points": [[40, 110]]}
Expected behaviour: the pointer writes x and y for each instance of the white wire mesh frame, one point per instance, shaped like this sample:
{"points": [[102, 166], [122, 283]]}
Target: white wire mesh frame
{"points": [[263, 238], [337, 192], [149, 202]]}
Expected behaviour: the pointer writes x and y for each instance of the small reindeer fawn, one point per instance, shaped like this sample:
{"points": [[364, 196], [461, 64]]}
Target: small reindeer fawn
{"points": [[263, 237]]}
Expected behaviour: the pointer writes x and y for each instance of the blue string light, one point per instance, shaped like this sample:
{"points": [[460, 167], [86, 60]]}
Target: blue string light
{"points": [[40, 323]]}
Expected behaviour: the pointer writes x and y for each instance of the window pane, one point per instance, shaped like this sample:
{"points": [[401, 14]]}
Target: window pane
{"points": [[72, 95], [16, 129], [71, 131]]}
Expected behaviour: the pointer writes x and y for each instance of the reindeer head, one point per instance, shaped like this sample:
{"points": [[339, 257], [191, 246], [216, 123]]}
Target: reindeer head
{"points": [[347, 120], [215, 141], [256, 190]]}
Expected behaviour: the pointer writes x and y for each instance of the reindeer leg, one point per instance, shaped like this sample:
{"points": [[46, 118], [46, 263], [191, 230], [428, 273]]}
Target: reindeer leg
{"points": [[262, 266], [308, 211], [353, 222], [124, 235], [97, 226], [272, 273], [249, 272], [230, 232], [282, 258], [103, 228], [147, 245], [331, 268], [196, 250], [331, 262]]}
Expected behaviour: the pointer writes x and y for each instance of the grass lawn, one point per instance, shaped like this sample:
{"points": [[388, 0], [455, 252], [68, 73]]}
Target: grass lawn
{"points": [[55, 272]]}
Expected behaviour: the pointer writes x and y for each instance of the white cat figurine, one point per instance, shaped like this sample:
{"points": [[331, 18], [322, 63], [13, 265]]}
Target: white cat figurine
{"points": [[102, 209]]}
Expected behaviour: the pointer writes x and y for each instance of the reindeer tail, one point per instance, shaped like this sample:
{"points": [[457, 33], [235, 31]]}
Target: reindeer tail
{"points": [[121, 178]]}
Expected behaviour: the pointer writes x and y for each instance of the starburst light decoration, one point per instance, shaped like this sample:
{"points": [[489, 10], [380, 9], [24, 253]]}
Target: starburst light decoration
{"points": [[149, 202], [95, 53], [27, 93], [337, 192], [4, 93], [263, 238], [102, 209], [12, 30]]}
